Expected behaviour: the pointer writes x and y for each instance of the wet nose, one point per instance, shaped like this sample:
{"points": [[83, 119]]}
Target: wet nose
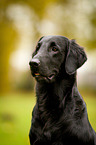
{"points": [[34, 63]]}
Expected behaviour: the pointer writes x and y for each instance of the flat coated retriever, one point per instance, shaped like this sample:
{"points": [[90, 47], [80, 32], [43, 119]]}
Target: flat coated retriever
{"points": [[59, 116]]}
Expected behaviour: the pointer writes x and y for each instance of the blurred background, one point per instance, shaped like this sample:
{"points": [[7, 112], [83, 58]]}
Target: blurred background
{"points": [[22, 23]]}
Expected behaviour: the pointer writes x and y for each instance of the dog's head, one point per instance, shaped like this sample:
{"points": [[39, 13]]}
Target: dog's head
{"points": [[51, 53]]}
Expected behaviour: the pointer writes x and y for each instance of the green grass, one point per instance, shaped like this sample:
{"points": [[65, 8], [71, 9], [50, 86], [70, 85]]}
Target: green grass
{"points": [[15, 117], [91, 109]]}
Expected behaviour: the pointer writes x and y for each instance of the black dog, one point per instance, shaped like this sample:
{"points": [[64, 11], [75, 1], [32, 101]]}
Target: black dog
{"points": [[59, 116]]}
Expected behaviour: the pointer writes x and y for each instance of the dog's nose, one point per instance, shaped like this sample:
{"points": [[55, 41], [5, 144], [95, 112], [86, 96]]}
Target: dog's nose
{"points": [[34, 63]]}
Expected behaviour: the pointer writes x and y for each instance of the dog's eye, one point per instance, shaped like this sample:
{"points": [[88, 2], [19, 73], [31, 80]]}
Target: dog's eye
{"points": [[54, 49]]}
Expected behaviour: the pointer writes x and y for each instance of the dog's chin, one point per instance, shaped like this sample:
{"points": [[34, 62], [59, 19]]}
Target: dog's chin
{"points": [[46, 79]]}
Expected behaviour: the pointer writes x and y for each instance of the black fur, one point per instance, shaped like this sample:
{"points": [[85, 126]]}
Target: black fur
{"points": [[59, 116]]}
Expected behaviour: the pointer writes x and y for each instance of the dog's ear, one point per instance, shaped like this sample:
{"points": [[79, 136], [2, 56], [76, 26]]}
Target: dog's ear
{"points": [[76, 57]]}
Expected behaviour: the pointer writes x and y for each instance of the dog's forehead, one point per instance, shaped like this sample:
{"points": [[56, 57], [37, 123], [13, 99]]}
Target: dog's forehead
{"points": [[57, 39]]}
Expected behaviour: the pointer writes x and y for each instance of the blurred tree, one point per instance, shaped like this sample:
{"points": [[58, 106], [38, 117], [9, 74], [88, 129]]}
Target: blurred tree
{"points": [[7, 39], [8, 36], [37, 5], [92, 18], [69, 17], [26, 82]]}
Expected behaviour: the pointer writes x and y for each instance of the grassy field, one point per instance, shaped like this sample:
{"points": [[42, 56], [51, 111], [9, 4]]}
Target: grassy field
{"points": [[15, 117]]}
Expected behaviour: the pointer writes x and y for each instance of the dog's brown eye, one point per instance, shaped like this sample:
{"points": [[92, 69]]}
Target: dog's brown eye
{"points": [[54, 49]]}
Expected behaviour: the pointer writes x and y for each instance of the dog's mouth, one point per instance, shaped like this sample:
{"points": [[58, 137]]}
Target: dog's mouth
{"points": [[40, 77]]}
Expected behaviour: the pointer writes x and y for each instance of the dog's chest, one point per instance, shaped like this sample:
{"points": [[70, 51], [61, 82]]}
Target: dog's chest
{"points": [[49, 111]]}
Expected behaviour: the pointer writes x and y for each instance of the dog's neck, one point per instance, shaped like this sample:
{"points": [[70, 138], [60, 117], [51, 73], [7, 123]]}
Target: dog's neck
{"points": [[50, 97], [60, 88]]}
